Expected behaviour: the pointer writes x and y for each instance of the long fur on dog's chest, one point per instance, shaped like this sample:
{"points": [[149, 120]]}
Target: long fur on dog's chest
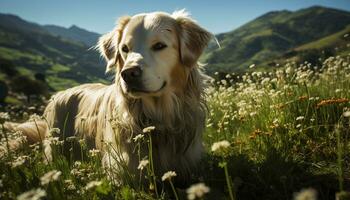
{"points": [[103, 115]]}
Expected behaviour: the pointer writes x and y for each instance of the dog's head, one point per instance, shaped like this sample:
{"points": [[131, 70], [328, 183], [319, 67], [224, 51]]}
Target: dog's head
{"points": [[154, 52]]}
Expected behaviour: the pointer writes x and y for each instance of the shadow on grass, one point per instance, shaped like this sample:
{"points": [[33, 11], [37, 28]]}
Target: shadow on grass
{"points": [[273, 178]]}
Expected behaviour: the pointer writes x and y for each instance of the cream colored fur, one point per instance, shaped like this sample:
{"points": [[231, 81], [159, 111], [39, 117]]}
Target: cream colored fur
{"points": [[108, 117]]}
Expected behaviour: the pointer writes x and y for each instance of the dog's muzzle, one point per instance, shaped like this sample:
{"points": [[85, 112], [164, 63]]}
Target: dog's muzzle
{"points": [[132, 76]]}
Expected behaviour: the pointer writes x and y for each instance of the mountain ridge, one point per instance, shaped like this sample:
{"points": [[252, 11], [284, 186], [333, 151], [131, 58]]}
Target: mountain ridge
{"points": [[271, 35], [75, 33], [32, 49]]}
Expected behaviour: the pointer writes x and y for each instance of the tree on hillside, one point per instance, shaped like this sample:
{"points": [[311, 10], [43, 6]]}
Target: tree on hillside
{"points": [[316, 56], [40, 77], [29, 87], [3, 92], [7, 67]]}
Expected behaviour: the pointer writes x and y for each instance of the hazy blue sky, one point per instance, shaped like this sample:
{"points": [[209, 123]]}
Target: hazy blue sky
{"points": [[99, 15]]}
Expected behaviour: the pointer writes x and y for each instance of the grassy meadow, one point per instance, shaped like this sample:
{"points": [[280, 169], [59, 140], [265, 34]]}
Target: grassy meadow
{"points": [[282, 134]]}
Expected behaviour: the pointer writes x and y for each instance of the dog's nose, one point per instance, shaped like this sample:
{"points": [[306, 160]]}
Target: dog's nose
{"points": [[131, 74]]}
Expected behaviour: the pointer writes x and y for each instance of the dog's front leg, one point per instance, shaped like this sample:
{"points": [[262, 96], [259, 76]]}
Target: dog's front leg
{"points": [[116, 163]]}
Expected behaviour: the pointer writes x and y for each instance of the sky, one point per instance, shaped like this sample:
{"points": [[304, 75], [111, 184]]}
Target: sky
{"points": [[217, 16]]}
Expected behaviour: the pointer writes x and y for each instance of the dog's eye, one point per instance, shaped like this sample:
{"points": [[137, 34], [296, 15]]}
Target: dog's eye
{"points": [[125, 48], [158, 46]]}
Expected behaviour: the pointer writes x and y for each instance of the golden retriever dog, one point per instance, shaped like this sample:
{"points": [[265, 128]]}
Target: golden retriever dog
{"points": [[157, 83]]}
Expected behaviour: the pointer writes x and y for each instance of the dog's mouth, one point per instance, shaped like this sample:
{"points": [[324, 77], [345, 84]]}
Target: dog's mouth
{"points": [[141, 90]]}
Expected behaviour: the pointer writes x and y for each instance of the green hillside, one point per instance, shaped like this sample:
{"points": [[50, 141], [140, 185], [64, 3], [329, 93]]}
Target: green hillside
{"points": [[31, 49], [272, 35], [335, 40]]}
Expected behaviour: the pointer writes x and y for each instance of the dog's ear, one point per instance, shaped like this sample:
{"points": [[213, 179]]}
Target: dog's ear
{"points": [[108, 44], [193, 38]]}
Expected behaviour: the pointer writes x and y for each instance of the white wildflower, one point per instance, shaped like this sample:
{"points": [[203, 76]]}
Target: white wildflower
{"points": [[55, 131], [138, 137], [75, 172], [53, 140], [69, 184], [209, 125], [338, 90], [300, 118], [50, 176], [346, 114], [219, 146], [223, 82], [252, 114], [19, 161], [168, 175], [82, 142], [265, 81], [77, 164], [197, 191], [25, 115], [68, 181], [4, 116], [34, 117], [71, 138], [251, 66], [93, 184], [32, 108], [35, 147], [34, 194], [306, 194], [143, 164], [94, 152], [149, 129]]}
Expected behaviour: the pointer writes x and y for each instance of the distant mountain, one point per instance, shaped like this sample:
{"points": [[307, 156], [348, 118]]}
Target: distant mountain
{"points": [[32, 49], [316, 51], [16, 23], [74, 33], [272, 35]]}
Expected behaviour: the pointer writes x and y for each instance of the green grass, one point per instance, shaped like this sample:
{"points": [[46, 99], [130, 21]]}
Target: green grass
{"points": [[12, 54], [266, 32], [57, 68], [286, 131], [3, 76], [331, 40], [25, 71], [58, 83], [13, 101], [261, 120]]}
